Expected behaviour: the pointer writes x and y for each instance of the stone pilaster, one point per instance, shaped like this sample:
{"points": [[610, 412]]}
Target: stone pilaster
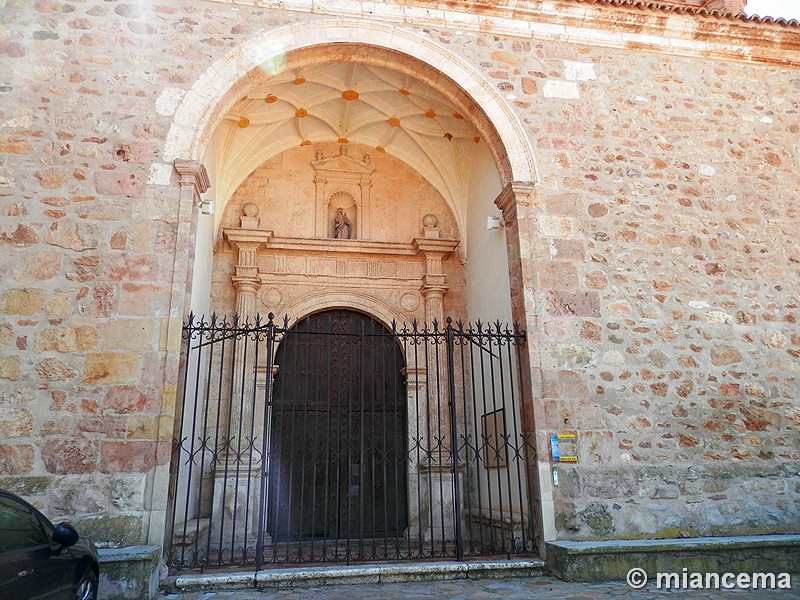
{"points": [[246, 279], [433, 290], [437, 395], [242, 418], [193, 181], [518, 201]]}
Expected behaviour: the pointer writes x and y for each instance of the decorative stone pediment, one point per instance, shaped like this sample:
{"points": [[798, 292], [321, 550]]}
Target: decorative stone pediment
{"points": [[342, 166]]}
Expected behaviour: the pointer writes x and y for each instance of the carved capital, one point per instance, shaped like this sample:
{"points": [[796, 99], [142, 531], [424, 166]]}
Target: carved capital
{"points": [[246, 285], [515, 194], [192, 174], [247, 241], [433, 288]]}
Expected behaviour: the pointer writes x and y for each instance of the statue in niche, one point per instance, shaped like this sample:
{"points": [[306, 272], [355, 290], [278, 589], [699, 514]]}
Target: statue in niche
{"points": [[341, 225]]}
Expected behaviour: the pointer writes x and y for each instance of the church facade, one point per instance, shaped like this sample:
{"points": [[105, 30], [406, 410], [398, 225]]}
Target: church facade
{"points": [[614, 185]]}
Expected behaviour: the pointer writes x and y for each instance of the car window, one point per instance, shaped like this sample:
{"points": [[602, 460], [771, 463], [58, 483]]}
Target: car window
{"points": [[19, 526]]}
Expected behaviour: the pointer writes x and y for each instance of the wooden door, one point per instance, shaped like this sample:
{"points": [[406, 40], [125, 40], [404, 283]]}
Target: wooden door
{"points": [[338, 431]]}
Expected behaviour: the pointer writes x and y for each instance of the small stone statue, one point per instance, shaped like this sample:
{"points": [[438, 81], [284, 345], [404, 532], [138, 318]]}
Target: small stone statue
{"points": [[319, 155], [341, 225]]}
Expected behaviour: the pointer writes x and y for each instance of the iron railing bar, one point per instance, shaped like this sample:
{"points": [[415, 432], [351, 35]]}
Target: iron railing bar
{"points": [[279, 410], [501, 338], [290, 408], [226, 447], [338, 465], [352, 357], [238, 458], [478, 444], [314, 443], [306, 407], [451, 381], [512, 351], [328, 437], [266, 463], [190, 460], [251, 446], [177, 462], [466, 391], [362, 442], [440, 439], [418, 447], [388, 387], [206, 402], [493, 380], [485, 445]]}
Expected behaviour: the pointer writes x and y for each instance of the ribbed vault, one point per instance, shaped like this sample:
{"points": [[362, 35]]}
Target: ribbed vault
{"points": [[417, 115]]}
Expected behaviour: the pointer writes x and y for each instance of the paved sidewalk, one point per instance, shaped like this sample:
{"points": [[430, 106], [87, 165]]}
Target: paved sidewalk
{"points": [[542, 588]]}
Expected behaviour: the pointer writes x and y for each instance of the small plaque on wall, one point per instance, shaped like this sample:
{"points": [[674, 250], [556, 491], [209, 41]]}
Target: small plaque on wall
{"points": [[564, 447]]}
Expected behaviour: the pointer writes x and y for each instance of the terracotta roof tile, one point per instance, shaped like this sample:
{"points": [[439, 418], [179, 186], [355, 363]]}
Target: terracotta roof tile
{"points": [[693, 9]]}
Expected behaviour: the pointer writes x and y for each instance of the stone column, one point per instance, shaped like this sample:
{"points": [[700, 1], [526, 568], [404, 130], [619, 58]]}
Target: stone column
{"points": [[438, 481], [520, 201], [247, 240], [241, 421]]}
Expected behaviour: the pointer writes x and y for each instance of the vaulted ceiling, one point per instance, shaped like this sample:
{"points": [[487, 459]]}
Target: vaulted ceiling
{"points": [[348, 102]]}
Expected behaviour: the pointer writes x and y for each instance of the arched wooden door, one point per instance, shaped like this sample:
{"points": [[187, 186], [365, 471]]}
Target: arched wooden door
{"points": [[338, 427]]}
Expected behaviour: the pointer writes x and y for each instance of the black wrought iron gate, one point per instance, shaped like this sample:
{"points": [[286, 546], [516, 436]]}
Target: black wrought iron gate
{"points": [[335, 439]]}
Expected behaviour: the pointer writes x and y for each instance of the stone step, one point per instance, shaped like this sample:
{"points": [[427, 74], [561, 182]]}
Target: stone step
{"points": [[367, 573]]}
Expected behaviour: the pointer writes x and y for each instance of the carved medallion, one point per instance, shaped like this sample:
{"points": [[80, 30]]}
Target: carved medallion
{"points": [[271, 297], [409, 301]]}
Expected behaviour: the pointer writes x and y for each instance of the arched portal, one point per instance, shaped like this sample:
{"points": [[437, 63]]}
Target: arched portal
{"points": [[338, 431], [277, 253]]}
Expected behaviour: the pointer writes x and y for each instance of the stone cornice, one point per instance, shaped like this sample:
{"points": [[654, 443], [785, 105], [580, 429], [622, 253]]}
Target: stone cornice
{"points": [[237, 235], [328, 246], [699, 33], [331, 246], [434, 245]]}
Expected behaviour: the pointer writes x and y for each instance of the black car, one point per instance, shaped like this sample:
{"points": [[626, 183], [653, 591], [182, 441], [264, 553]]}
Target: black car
{"points": [[40, 561]]}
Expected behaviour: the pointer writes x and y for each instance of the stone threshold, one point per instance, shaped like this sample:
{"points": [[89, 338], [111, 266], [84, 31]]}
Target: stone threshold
{"points": [[304, 576], [610, 560]]}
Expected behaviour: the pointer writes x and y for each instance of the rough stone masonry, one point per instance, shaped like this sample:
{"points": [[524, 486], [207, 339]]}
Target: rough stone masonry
{"points": [[659, 261]]}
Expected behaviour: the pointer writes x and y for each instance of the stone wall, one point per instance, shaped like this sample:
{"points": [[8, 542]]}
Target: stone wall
{"points": [[660, 263], [665, 267]]}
